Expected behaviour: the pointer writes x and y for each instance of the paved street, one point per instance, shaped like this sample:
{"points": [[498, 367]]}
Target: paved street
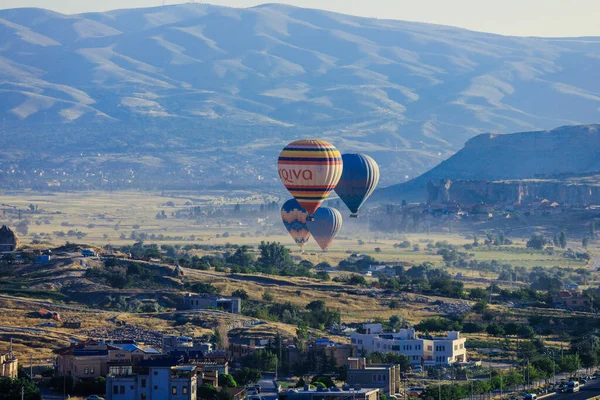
{"points": [[268, 390]]}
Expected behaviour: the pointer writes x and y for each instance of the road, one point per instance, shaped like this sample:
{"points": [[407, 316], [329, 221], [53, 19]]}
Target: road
{"points": [[268, 390], [591, 389]]}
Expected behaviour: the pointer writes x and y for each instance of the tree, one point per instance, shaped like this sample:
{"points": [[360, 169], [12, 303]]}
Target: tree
{"points": [[242, 257], [536, 242], [324, 379], [225, 394], [323, 275], [562, 239], [207, 392], [268, 296], [480, 307], [226, 380], [11, 389], [570, 363], [593, 229], [495, 329], [246, 375], [241, 293], [584, 242], [316, 305], [273, 256]]}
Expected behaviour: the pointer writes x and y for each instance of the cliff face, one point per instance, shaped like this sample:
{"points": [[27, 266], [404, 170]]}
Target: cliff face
{"points": [[524, 192], [527, 155]]}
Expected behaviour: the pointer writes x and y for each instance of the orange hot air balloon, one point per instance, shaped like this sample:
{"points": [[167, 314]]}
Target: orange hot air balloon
{"points": [[310, 170]]}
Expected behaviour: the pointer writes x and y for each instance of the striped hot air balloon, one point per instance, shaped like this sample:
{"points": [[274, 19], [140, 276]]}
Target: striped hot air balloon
{"points": [[358, 181], [294, 218], [310, 170], [326, 224]]}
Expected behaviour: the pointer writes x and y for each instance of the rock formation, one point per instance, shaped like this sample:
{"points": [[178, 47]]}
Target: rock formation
{"points": [[9, 241]]}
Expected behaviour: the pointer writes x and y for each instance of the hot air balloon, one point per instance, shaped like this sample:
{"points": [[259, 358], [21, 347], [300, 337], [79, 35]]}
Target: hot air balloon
{"points": [[310, 169], [326, 224], [359, 179], [294, 219]]}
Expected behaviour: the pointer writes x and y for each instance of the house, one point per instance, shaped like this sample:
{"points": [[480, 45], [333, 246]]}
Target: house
{"points": [[93, 358], [202, 301], [9, 364], [332, 352], [71, 324], [185, 344], [158, 379], [436, 351], [238, 393], [571, 300], [43, 259], [329, 394], [9, 241], [88, 253], [385, 377]]}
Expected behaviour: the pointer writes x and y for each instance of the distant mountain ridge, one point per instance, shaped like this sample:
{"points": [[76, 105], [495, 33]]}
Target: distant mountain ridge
{"points": [[562, 154], [161, 92]]}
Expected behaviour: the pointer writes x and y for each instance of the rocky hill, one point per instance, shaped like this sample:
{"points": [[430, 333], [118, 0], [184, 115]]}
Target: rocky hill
{"points": [[561, 164], [189, 94]]}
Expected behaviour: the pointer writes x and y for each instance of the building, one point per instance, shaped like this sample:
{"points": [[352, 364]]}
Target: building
{"points": [[185, 344], [9, 364], [88, 253], [202, 301], [326, 350], [330, 394], [9, 241], [239, 348], [572, 300], [434, 351], [152, 380], [91, 358], [385, 377]]}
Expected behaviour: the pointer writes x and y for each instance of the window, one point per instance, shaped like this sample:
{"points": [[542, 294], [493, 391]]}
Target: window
{"points": [[144, 383], [122, 389], [115, 389], [86, 370], [353, 341], [155, 373], [395, 347], [91, 370], [143, 397], [174, 390], [184, 390], [155, 387]]}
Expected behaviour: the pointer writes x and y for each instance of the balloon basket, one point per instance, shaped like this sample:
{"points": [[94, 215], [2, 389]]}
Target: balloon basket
{"points": [[353, 215]]}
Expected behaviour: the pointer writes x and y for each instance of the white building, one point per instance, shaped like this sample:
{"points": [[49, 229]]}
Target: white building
{"points": [[437, 351]]}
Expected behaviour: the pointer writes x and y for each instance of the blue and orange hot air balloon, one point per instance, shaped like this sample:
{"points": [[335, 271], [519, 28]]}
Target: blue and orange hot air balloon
{"points": [[294, 218], [326, 224], [310, 170], [358, 181]]}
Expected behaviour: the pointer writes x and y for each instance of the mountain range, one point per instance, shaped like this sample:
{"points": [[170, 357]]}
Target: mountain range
{"points": [[194, 93]]}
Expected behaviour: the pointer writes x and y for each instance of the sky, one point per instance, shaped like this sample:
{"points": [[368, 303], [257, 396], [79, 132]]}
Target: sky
{"points": [[549, 18]]}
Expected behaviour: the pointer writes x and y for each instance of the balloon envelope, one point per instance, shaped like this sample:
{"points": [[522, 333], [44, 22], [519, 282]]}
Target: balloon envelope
{"points": [[326, 224], [294, 220], [359, 178], [310, 170]]}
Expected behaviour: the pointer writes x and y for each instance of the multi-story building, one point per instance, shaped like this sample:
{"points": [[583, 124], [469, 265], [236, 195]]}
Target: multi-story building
{"points": [[435, 351], [385, 377], [9, 364], [152, 380], [92, 358], [330, 394], [202, 301]]}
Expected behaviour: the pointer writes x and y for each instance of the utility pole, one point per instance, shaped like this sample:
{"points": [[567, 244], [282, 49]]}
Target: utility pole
{"points": [[31, 366]]}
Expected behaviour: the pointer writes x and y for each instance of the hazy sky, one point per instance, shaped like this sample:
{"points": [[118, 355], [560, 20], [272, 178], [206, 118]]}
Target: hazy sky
{"points": [[509, 17]]}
